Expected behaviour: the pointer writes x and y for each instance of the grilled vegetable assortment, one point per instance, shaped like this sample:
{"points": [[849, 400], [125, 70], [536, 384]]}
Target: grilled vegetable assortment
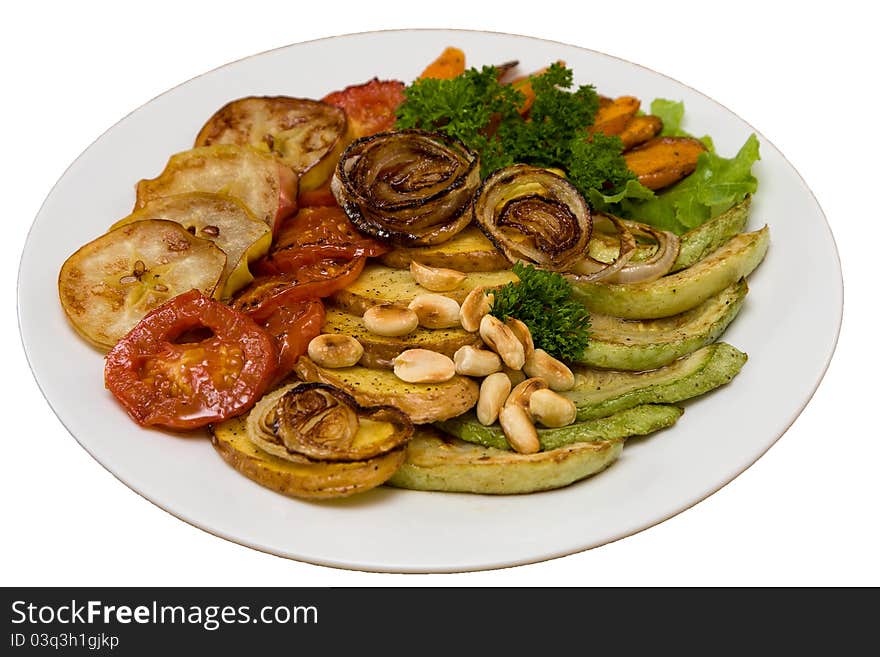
{"points": [[480, 282]]}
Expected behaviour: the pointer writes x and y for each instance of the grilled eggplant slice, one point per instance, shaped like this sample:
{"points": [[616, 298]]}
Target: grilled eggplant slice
{"points": [[422, 402], [679, 292], [316, 480], [380, 350], [307, 135], [379, 284], [438, 462], [633, 421], [221, 219], [636, 345], [262, 182], [109, 284]]}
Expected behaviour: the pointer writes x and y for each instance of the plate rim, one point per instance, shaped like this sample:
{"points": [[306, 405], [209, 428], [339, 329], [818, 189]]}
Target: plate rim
{"points": [[498, 564]]}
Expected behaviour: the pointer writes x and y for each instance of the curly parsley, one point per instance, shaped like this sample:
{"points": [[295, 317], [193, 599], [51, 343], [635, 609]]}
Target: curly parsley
{"points": [[484, 114], [542, 300]]}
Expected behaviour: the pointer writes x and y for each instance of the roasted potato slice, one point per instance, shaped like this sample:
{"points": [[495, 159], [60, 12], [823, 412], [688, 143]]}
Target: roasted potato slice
{"points": [[663, 161], [612, 117], [266, 186], [109, 284], [378, 284], [437, 461], [469, 251], [307, 135], [422, 402], [380, 350], [316, 480], [221, 219], [640, 129]]}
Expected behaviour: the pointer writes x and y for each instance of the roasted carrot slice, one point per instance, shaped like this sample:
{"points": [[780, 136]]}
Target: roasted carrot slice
{"points": [[523, 84], [640, 129], [611, 118], [663, 161], [448, 65]]}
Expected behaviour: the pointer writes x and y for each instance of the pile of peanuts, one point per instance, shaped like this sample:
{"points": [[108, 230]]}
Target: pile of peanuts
{"points": [[521, 384]]}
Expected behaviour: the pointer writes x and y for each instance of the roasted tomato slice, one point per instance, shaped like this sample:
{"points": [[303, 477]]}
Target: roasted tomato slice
{"points": [[370, 107], [314, 234], [163, 380], [310, 281], [293, 327]]}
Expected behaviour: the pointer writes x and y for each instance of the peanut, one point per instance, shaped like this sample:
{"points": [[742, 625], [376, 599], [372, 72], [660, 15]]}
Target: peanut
{"points": [[502, 341], [390, 320], [423, 366], [523, 334], [557, 375], [471, 361], [493, 391], [474, 307], [551, 409], [519, 430], [435, 311], [436, 279], [330, 350]]}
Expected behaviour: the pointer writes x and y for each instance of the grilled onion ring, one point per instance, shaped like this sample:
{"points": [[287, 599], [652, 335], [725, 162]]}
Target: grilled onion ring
{"points": [[314, 422], [622, 270], [523, 201], [409, 188]]}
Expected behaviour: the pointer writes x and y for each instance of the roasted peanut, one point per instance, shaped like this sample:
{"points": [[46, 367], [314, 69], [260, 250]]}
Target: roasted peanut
{"points": [[332, 350], [522, 392], [423, 366], [476, 362], [500, 339], [523, 334], [390, 320], [551, 409], [493, 391], [519, 429], [474, 307], [435, 311], [436, 279], [554, 372]]}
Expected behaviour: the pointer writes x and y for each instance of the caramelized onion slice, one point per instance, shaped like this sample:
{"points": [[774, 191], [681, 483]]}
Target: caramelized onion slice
{"points": [[409, 188], [535, 216], [622, 270], [308, 422]]}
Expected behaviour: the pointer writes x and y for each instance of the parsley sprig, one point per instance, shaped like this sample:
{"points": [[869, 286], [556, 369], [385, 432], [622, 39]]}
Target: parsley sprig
{"points": [[543, 301], [483, 113]]}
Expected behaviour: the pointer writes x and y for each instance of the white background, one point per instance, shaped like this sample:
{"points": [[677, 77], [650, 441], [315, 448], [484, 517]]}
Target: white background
{"points": [[805, 513]]}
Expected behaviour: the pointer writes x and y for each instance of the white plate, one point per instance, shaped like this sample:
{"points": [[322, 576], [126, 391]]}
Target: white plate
{"points": [[789, 328]]}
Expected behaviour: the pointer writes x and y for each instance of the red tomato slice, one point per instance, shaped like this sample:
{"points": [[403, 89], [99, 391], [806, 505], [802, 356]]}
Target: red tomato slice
{"points": [[310, 281], [370, 107], [185, 385], [293, 327], [317, 197], [316, 233]]}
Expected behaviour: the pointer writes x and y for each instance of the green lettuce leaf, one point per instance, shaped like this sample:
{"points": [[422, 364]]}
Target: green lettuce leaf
{"points": [[671, 112], [717, 184]]}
